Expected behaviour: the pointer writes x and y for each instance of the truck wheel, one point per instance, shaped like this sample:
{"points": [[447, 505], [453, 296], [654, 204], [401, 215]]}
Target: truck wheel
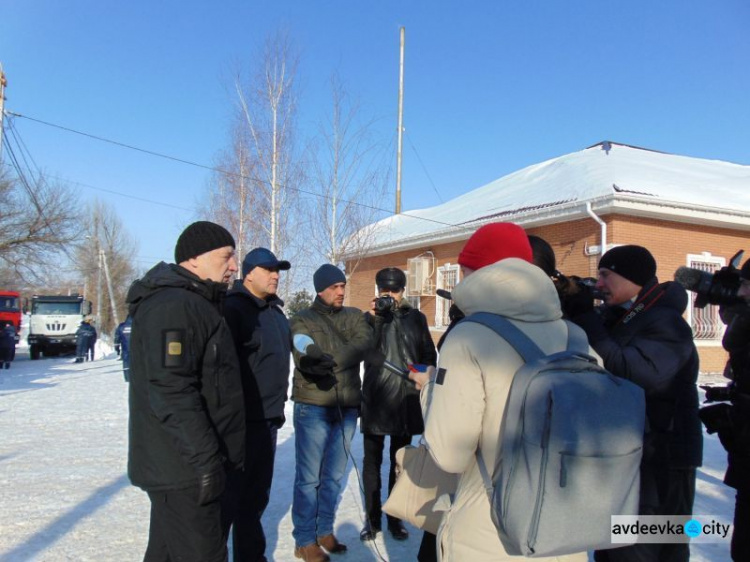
{"points": [[34, 352]]}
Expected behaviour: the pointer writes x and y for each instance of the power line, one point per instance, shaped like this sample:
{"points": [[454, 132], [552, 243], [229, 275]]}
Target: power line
{"points": [[434, 187], [213, 169]]}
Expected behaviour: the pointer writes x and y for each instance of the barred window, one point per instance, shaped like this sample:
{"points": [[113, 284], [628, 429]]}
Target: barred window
{"points": [[447, 278], [705, 322]]}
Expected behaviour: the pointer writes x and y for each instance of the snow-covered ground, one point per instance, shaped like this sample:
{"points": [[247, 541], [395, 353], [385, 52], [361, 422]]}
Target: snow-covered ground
{"points": [[66, 495]]}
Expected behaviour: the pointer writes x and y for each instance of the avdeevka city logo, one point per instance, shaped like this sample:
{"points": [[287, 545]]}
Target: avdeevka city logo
{"points": [[693, 528]]}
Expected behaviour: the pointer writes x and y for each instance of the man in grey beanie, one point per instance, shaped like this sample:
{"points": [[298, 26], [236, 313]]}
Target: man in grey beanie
{"points": [[327, 393], [187, 423], [641, 336]]}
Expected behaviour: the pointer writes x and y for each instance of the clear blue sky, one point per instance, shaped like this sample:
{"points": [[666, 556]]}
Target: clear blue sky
{"points": [[491, 86]]}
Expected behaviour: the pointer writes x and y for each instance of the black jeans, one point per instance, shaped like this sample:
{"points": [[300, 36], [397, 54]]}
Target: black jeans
{"points": [[374, 445], [249, 491], [182, 530]]}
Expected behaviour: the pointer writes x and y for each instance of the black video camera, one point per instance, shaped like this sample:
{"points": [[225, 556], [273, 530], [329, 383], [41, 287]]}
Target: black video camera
{"points": [[385, 304], [719, 393], [567, 286], [718, 288]]}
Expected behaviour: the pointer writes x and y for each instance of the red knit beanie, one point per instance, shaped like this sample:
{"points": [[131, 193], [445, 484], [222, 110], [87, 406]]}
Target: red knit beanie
{"points": [[494, 242]]}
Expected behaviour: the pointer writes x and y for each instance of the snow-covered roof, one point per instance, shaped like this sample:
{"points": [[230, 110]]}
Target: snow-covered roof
{"points": [[610, 177]]}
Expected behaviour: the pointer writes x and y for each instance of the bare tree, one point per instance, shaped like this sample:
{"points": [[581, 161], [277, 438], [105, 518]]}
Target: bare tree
{"points": [[107, 248], [37, 223], [351, 178], [255, 190]]}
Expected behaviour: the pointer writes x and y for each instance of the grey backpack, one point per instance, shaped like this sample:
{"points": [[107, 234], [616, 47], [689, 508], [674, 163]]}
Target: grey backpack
{"points": [[569, 452]]}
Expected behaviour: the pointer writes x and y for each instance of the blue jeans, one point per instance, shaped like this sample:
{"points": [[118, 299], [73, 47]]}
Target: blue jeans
{"points": [[321, 458]]}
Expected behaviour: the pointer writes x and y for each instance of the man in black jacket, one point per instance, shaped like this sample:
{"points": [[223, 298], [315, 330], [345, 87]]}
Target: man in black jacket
{"points": [[641, 336], [263, 343], [187, 423], [390, 403]]}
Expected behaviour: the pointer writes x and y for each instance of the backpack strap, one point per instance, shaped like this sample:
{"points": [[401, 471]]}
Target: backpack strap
{"points": [[523, 344], [529, 351]]}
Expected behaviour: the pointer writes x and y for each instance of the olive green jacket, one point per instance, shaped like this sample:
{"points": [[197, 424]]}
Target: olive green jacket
{"points": [[342, 333]]}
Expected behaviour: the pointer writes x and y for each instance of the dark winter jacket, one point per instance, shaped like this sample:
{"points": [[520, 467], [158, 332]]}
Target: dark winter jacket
{"points": [[122, 338], [736, 440], [7, 343], [263, 343], [186, 404], [86, 332], [390, 404], [653, 346], [343, 333]]}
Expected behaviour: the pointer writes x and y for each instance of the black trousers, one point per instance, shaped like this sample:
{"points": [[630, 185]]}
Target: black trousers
{"points": [[678, 500], [374, 445], [741, 533], [181, 530], [249, 490]]}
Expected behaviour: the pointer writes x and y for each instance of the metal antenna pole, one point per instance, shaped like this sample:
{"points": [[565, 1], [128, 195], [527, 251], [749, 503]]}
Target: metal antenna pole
{"points": [[3, 83], [400, 125]]}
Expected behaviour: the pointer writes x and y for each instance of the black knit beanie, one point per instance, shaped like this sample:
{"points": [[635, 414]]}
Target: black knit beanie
{"points": [[745, 271], [327, 275], [199, 238], [634, 263]]}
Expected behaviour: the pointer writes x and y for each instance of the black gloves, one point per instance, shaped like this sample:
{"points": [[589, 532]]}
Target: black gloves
{"points": [[578, 302], [321, 366], [211, 485]]}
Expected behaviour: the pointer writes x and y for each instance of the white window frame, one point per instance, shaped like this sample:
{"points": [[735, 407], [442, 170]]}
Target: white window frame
{"points": [[710, 314], [443, 305]]}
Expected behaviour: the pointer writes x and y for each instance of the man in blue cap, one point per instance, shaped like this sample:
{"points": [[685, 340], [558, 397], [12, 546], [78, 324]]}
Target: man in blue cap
{"points": [[260, 331]]}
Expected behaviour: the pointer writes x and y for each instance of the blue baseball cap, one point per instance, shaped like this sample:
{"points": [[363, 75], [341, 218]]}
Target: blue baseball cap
{"points": [[263, 257]]}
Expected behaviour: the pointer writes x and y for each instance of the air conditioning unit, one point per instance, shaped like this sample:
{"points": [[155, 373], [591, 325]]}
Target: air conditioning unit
{"points": [[419, 277]]}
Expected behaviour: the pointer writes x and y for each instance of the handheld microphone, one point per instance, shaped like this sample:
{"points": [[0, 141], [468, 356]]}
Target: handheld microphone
{"points": [[377, 359], [445, 294], [305, 345]]}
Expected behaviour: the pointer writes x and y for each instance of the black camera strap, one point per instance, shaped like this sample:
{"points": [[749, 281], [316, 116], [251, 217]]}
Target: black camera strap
{"points": [[644, 303]]}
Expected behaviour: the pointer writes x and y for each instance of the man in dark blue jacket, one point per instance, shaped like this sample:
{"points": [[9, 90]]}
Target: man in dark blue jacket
{"points": [[261, 336], [641, 336], [122, 345]]}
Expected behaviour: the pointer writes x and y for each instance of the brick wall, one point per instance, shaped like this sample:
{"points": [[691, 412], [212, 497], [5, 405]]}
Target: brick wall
{"points": [[670, 242]]}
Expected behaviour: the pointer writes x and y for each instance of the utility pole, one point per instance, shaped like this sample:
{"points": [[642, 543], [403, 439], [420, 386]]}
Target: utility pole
{"points": [[3, 83], [400, 125], [109, 289]]}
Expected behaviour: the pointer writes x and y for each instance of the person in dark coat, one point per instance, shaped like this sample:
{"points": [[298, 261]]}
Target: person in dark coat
{"points": [[262, 339], [122, 345], [7, 345], [187, 414], [641, 336], [85, 340], [733, 420], [390, 403]]}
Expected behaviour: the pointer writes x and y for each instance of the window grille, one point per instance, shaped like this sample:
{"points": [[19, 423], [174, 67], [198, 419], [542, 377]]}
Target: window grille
{"points": [[705, 322], [447, 278]]}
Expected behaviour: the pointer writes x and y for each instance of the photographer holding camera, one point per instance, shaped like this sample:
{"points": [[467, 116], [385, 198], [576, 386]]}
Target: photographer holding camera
{"points": [[390, 403], [732, 421]]}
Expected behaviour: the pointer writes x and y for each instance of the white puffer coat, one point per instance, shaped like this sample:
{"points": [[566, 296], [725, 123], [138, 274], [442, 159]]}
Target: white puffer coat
{"points": [[463, 409]]}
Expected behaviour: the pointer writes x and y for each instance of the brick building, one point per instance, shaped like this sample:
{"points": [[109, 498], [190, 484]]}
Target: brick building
{"points": [[687, 211]]}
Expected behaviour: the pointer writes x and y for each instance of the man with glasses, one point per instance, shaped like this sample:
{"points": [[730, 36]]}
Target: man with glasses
{"points": [[390, 403], [260, 331]]}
